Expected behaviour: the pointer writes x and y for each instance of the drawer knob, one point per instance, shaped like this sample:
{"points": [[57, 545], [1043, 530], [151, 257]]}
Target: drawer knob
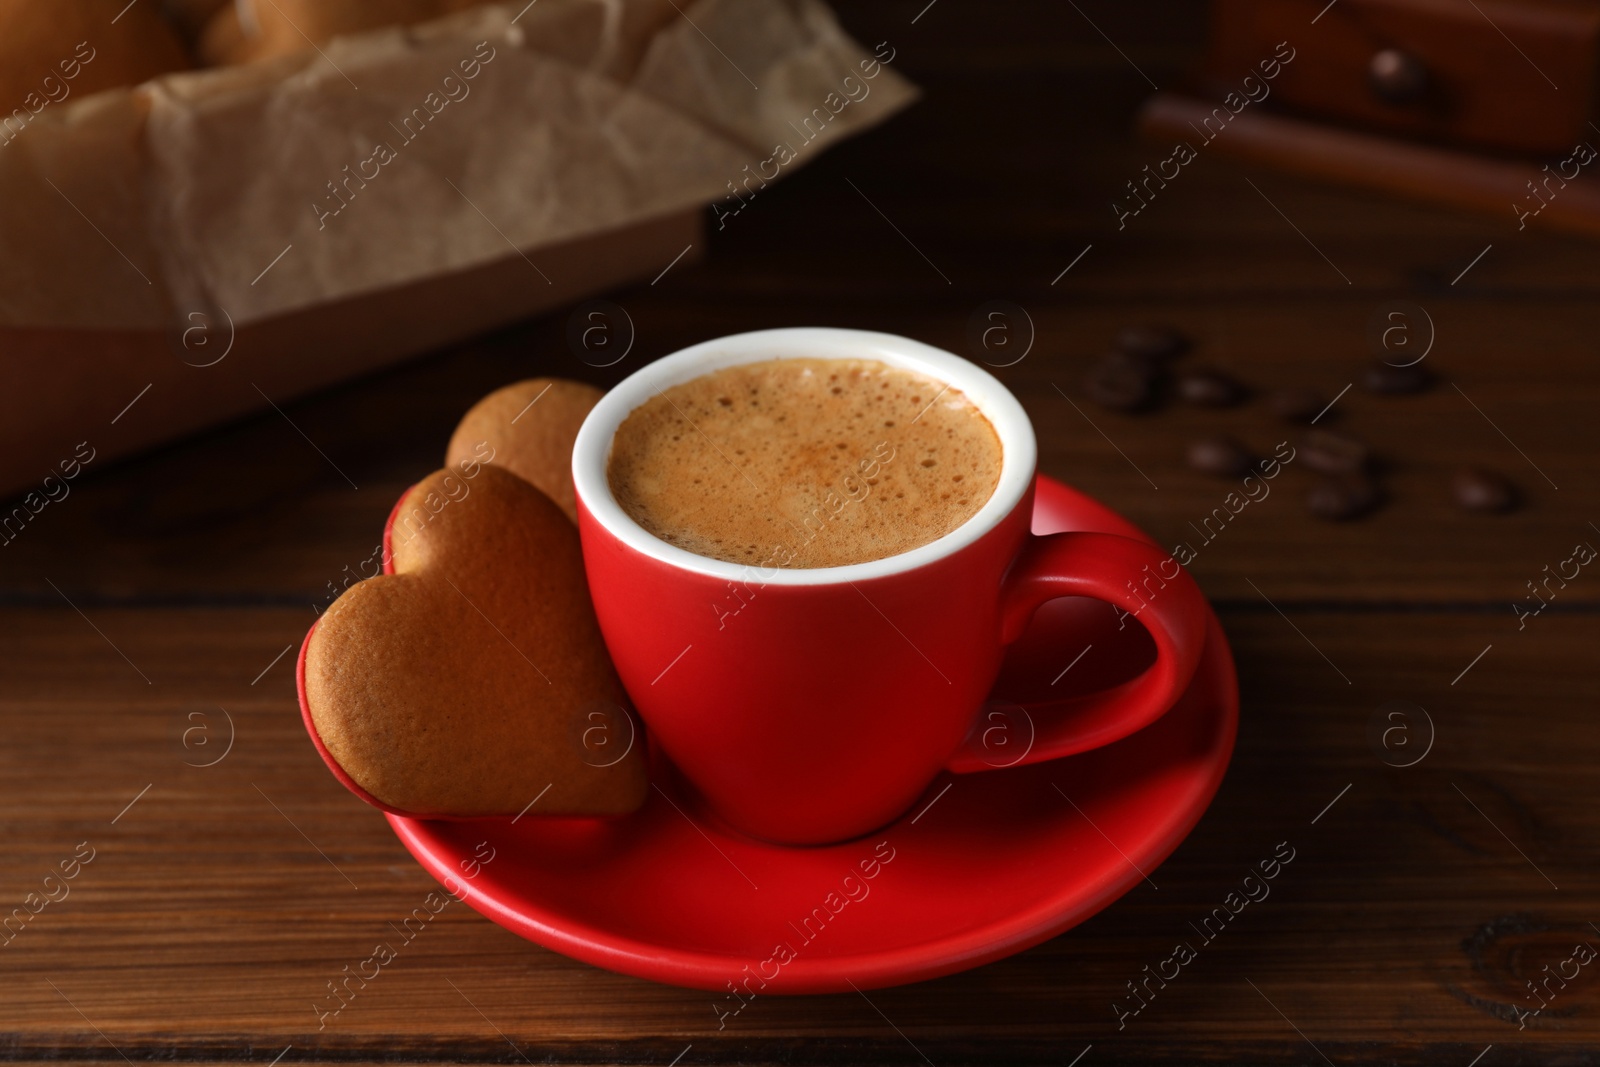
{"points": [[1397, 77]]}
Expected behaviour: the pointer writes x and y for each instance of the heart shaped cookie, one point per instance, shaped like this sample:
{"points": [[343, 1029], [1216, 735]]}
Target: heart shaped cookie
{"points": [[470, 679], [528, 428], [74, 48]]}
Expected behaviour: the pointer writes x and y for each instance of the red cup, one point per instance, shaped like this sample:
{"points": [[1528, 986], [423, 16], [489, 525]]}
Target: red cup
{"points": [[815, 705]]}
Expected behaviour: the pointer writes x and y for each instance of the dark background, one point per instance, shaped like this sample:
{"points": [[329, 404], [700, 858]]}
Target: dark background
{"points": [[1417, 906]]}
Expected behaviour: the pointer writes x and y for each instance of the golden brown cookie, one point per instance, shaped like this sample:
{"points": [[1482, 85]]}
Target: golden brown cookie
{"points": [[190, 16], [72, 48], [277, 27], [474, 676], [222, 41], [529, 428]]}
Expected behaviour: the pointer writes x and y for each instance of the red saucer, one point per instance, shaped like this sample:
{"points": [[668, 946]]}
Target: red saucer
{"points": [[984, 865]]}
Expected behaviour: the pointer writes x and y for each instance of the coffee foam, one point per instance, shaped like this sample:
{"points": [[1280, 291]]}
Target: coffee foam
{"points": [[804, 462]]}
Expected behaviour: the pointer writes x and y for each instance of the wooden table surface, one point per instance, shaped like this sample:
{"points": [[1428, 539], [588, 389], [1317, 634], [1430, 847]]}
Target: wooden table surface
{"points": [[1423, 899]]}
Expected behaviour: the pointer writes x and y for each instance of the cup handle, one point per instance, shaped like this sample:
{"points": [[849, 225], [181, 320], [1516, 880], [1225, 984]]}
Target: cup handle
{"points": [[1134, 576]]}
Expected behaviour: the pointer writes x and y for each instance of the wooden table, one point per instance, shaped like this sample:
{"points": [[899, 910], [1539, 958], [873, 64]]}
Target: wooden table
{"points": [[1422, 898]]}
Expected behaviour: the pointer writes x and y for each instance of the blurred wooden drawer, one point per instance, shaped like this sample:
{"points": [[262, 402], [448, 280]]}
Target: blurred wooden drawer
{"points": [[1514, 75]]}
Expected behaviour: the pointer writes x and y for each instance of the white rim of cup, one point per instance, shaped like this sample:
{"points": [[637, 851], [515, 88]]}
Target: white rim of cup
{"points": [[592, 451]]}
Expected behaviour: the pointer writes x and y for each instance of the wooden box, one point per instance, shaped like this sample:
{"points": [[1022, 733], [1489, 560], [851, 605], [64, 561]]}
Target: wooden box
{"points": [[218, 241]]}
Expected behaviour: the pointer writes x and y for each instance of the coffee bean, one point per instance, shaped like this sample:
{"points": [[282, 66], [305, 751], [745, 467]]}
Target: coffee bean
{"points": [[1211, 388], [1154, 341], [1343, 497], [1224, 457], [1333, 453], [1297, 403], [1381, 377], [1477, 489], [1123, 382]]}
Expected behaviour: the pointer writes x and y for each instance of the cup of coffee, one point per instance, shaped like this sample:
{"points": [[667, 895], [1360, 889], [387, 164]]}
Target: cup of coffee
{"points": [[808, 549]]}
